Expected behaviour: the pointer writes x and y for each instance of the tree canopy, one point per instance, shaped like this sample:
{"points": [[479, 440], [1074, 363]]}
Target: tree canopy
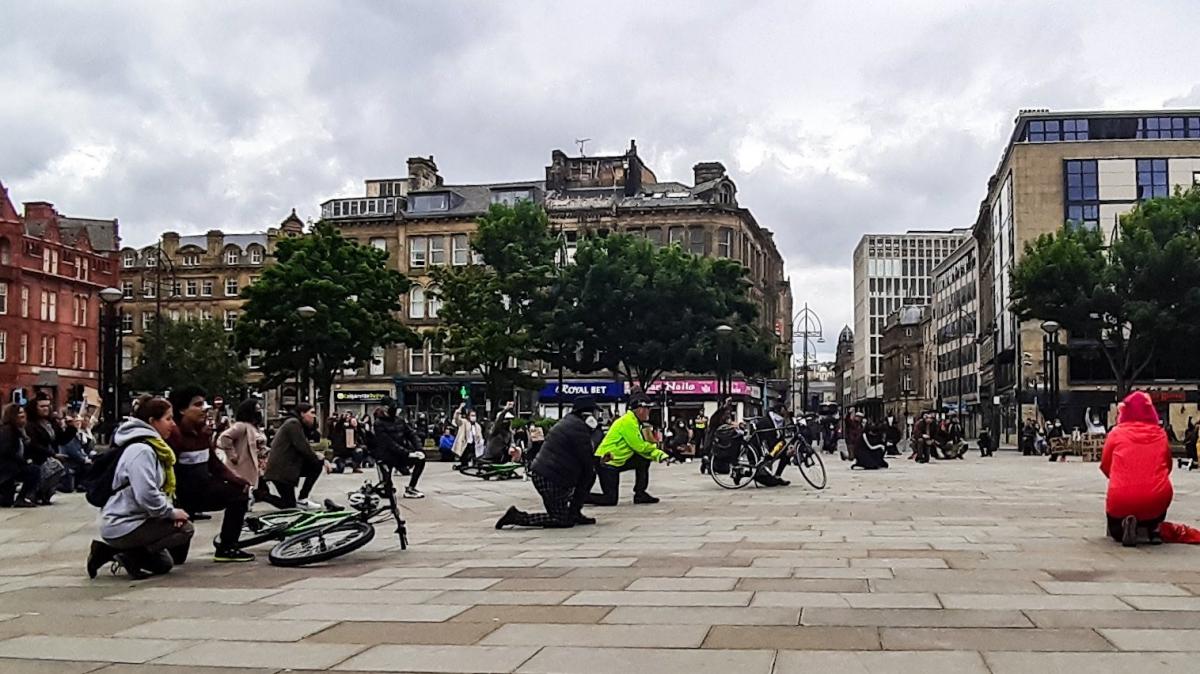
{"points": [[181, 353], [1132, 296], [356, 298]]}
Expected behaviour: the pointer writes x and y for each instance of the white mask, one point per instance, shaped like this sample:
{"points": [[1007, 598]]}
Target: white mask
{"points": [[591, 421]]}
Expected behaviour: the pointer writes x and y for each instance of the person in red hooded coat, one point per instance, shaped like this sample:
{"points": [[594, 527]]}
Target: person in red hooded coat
{"points": [[1137, 462]]}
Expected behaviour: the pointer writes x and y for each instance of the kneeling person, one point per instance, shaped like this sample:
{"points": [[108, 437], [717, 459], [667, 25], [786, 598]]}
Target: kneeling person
{"points": [[622, 449], [562, 472]]}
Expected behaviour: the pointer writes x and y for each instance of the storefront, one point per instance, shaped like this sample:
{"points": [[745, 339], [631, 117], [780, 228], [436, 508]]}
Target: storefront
{"points": [[689, 398], [434, 397], [358, 401], [606, 393]]}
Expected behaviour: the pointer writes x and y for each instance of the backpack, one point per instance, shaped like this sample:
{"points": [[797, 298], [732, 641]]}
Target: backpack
{"points": [[98, 482]]}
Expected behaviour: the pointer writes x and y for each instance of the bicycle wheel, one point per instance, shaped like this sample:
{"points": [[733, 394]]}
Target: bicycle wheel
{"points": [[740, 471], [811, 467], [268, 527], [322, 544]]}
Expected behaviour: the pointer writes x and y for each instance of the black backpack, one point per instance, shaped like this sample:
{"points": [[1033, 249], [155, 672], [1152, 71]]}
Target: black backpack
{"points": [[98, 482]]}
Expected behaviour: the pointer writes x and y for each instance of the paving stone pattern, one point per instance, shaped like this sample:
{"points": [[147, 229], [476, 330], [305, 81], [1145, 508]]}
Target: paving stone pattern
{"points": [[989, 566]]}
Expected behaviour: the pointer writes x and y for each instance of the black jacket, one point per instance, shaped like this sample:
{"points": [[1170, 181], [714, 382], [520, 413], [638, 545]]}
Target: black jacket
{"points": [[12, 452], [392, 440], [43, 441], [566, 457]]}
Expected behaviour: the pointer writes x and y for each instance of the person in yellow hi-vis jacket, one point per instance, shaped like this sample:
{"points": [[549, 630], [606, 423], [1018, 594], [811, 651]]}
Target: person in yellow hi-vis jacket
{"points": [[622, 449]]}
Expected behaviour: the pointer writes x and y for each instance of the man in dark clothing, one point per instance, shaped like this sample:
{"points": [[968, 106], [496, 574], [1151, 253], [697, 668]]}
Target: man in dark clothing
{"points": [[1190, 437], [563, 472], [293, 462], [398, 446], [924, 434]]}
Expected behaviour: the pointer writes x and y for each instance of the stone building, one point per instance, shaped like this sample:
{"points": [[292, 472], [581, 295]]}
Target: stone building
{"points": [[52, 268], [955, 315], [582, 195], [1084, 169], [905, 370], [843, 369], [193, 277]]}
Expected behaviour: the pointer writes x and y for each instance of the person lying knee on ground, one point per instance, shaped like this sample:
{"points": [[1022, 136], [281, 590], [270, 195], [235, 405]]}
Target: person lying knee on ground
{"points": [[1137, 462], [623, 449]]}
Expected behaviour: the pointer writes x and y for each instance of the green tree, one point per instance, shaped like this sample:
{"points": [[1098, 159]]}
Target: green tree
{"points": [[188, 353], [356, 298], [1131, 297], [490, 314]]}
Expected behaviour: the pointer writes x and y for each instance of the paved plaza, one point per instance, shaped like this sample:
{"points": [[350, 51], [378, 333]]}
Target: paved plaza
{"points": [[994, 565]]}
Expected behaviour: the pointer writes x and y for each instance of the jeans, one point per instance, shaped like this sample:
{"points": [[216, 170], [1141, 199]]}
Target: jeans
{"points": [[199, 491], [146, 543], [610, 479]]}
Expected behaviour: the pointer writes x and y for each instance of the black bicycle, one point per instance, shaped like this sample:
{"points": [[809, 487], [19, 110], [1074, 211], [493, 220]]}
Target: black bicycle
{"points": [[741, 455]]}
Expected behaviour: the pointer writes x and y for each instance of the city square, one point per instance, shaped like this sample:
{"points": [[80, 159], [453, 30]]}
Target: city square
{"points": [[981, 565]]}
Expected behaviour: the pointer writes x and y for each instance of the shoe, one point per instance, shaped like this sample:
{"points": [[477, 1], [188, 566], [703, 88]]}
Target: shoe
{"points": [[131, 564], [23, 503], [100, 554], [309, 504], [199, 517], [410, 492], [584, 519], [509, 517], [233, 555], [159, 564], [784, 483], [1154, 538], [356, 470], [1129, 531], [644, 498]]}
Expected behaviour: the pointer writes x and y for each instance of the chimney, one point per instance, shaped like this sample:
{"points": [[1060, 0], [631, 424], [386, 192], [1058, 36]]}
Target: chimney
{"points": [[292, 225], [708, 170], [215, 238], [40, 211], [422, 174], [170, 242]]}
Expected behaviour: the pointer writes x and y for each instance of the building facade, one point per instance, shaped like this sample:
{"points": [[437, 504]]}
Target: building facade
{"points": [[430, 221], [890, 271], [954, 312], [1084, 169], [843, 368], [52, 268], [905, 370]]}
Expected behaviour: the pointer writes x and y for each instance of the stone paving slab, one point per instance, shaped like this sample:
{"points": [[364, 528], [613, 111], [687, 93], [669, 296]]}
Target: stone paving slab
{"points": [[261, 654], [1153, 640], [808, 662], [44, 647], [1130, 619], [1092, 663], [12, 666], [1115, 588], [373, 633], [991, 639], [574, 660], [226, 630], [369, 613], [630, 598], [533, 614], [466, 659], [914, 617], [609, 636], [702, 615], [793, 638]]}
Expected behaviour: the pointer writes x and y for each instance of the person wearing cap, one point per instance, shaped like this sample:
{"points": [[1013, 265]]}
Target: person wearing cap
{"points": [[622, 449], [562, 472]]}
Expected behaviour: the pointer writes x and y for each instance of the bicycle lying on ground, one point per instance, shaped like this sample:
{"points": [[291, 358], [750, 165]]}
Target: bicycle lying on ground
{"points": [[312, 536], [748, 456]]}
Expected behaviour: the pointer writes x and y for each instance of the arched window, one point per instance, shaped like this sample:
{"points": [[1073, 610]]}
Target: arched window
{"points": [[256, 254], [433, 302], [5, 251], [416, 302]]}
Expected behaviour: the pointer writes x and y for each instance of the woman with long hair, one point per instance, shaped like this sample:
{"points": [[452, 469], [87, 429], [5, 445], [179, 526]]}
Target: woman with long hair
{"points": [[15, 467]]}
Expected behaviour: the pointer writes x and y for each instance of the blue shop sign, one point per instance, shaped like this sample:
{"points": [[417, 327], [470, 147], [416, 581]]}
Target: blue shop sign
{"points": [[610, 390]]}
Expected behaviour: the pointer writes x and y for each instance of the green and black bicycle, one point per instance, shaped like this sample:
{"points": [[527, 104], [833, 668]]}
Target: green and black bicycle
{"points": [[312, 536]]}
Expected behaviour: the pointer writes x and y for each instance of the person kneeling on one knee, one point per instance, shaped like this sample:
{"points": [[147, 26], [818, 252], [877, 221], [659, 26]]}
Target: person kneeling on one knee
{"points": [[1137, 462], [622, 449], [562, 472]]}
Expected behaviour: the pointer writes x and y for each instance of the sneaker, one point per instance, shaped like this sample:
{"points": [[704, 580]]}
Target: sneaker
{"points": [[199, 517], [644, 498], [1154, 537], [129, 562], [99, 555], [584, 519], [23, 503], [1129, 531], [233, 555], [417, 455], [309, 504], [509, 517], [410, 492]]}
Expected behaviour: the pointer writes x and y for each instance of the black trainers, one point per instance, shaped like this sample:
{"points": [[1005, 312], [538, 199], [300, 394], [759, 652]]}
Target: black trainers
{"points": [[132, 565], [232, 555], [509, 517], [1129, 531], [584, 519], [644, 498], [100, 554]]}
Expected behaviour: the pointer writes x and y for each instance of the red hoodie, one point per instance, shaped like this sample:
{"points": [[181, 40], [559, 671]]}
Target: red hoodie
{"points": [[1137, 461]]}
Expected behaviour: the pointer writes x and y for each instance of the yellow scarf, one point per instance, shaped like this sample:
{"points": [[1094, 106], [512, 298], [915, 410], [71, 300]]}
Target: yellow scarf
{"points": [[167, 458]]}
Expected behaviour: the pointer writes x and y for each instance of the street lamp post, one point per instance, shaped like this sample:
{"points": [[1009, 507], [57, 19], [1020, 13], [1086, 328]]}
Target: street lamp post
{"points": [[1050, 364], [806, 324], [306, 312], [110, 357], [723, 390]]}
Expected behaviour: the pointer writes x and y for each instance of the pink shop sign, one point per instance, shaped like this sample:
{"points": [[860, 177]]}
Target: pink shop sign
{"points": [[696, 387]]}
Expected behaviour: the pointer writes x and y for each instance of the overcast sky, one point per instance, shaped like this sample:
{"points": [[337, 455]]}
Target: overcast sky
{"points": [[834, 118]]}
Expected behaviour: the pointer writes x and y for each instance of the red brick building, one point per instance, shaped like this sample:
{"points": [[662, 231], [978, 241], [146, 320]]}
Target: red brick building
{"points": [[52, 268]]}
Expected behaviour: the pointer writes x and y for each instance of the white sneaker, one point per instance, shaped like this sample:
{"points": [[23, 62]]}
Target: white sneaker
{"points": [[309, 504], [409, 492], [417, 455]]}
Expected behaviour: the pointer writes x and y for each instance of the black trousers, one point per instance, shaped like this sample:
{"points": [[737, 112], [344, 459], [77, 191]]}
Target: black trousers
{"points": [[561, 502], [198, 490], [287, 492], [1150, 525], [29, 476], [610, 479]]}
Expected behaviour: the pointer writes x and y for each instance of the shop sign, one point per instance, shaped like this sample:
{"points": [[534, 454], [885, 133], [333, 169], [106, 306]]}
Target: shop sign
{"points": [[695, 387], [573, 389], [365, 397]]}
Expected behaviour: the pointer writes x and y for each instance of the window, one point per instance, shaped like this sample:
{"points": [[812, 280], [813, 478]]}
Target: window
{"points": [[725, 242], [256, 255], [435, 361], [230, 320], [147, 320], [191, 259], [232, 256], [655, 236], [126, 322], [49, 346], [25, 301], [416, 251], [176, 288], [128, 260], [437, 250], [231, 287], [253, 359], [416, 360], [174, 314], [511, 197], [5, 251], [460, 249], [696, 240], [49, 306], [1083, 205], [24, 348], [908, 358], [82, 268], [151, 258], [379, 243], [375, 366], [206, 288], [416, 302], [79, 354], [433, 302], [1050, 130], [1152, 178], [426, 203], [148, 289], [81, 309], [127, 290], [126, 358], [675, 236], [3, 346], [206, 314], [3, 298], [1169, 127], [190, 287]]}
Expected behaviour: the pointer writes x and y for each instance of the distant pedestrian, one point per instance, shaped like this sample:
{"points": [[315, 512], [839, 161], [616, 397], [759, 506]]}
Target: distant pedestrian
{"points": [[15, 468]]}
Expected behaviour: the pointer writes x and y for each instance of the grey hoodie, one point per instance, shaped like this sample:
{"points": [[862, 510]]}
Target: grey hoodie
{"points": [[137, 484]]}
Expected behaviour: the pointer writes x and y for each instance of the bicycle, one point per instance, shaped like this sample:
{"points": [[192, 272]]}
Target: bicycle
{"points": [[312, 536], [752, 457]]}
